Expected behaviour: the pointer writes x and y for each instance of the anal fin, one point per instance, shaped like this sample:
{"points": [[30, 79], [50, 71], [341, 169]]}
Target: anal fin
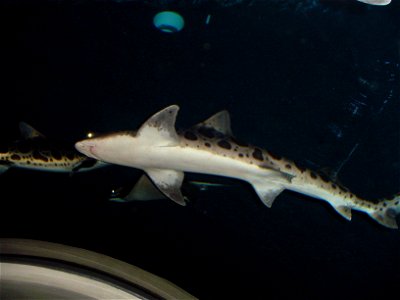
{"points": [[169, 182]]}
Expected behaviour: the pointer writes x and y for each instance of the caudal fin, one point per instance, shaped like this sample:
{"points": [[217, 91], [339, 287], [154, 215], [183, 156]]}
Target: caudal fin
{"points": [[387, 212]]}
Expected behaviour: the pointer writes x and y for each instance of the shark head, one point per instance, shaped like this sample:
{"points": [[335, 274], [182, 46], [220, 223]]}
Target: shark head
{"points": [[108, 147], [130, 148]]}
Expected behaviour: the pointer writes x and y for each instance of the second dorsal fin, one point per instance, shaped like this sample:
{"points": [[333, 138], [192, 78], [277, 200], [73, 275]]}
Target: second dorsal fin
{"points": [[220, 122]]}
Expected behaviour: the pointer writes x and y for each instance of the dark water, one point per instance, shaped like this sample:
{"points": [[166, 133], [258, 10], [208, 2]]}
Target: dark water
{"points": [[311, 84]]}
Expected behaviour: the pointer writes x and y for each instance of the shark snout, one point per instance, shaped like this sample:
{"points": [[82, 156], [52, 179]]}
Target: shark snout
{"points": [[86, 147]]}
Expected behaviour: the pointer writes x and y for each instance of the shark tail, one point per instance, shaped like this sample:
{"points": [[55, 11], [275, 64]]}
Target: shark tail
{"points": [[387, 211]]}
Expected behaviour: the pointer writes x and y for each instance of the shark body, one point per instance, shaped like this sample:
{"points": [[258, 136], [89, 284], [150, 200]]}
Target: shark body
{"points": [[376, 2], [210, 148], [35, 152]]}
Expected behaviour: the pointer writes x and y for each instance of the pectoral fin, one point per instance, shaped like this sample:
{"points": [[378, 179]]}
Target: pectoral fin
{"points": [[267, 192], [270, 186], [169, 182]]}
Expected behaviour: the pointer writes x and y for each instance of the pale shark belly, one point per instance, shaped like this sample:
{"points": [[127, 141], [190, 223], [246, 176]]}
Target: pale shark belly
{"points": [[187, 159]]}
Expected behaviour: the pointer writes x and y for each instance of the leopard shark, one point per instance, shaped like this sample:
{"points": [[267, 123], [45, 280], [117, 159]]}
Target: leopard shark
{"points": [[210, 148], [35, 152]]}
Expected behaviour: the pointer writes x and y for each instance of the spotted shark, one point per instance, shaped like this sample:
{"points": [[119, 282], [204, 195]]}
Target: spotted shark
{"points": [[35, 152], [210, 148]]}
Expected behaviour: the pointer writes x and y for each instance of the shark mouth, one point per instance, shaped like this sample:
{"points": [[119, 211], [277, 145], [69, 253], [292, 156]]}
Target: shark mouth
{"points": [[87, 148]]}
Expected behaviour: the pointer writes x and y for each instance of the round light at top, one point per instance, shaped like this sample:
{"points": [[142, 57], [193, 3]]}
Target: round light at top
{"points": [[168, 21]]}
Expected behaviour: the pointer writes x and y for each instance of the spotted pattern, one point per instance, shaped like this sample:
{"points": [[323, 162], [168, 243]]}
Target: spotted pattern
{"points": [[211, 140], [56, 155], [225, 144], [39, 156], [191, 136], [207, 132], [274, 156], [15, 157], [257, 154], [42, 154]]}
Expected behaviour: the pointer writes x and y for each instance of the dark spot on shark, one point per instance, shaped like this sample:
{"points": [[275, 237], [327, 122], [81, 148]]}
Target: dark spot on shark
{"points": [[70, 155], [274, 156], [240, 155], [56, 154], [207, 132], [257, 154], [334, 186], [207, 145], [15, 157], [313, 175], [300, 167], [239, 143], [37, 155], [224, 144], [324, 177], [190, 136], [287, 166]]}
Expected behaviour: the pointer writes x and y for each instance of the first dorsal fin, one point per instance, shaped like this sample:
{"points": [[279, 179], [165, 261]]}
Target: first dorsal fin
{"points": [[28, 132], [220, 122], [159, 129]]}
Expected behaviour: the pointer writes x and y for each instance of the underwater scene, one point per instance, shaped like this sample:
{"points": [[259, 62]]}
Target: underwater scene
{"points": [[235, 149]]}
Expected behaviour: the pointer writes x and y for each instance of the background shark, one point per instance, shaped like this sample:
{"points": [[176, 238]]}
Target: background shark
{"points": [[35, 152], [376, 2], [210, 148]]}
